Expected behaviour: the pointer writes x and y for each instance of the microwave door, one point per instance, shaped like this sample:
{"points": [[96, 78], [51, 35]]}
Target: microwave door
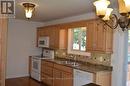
{"points": [[43, 43]]}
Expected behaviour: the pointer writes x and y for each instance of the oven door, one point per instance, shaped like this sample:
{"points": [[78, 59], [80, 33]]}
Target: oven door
{"points": [[36, 65]]}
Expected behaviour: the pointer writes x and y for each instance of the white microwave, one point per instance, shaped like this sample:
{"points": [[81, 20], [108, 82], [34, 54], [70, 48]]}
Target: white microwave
{"points": [[43, 42]]}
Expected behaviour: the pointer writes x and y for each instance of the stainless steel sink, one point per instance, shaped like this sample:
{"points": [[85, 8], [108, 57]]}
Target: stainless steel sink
{"points": [[69, 63]]}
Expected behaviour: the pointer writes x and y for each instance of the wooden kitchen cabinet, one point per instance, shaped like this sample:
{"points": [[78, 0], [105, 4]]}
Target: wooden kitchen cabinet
{"points": [[103, 78], [63, 76], [46, 79], [99, 39], [99, 36], [61, 39], [47, 73], [57, 36], [56, 75], [90, 35], [67, 79]]}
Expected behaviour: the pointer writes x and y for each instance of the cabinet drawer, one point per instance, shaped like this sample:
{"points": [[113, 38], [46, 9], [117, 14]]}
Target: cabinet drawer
{"points": [[47, 63], [47, 80], [63, 68], [47, 70]]}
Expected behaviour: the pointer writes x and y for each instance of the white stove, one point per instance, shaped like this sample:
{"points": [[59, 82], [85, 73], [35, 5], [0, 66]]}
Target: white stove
{"points": [[36, 63]]}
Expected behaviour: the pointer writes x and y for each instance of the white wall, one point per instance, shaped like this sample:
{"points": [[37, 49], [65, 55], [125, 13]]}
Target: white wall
{"points": [[119, 57], [21, 44]]}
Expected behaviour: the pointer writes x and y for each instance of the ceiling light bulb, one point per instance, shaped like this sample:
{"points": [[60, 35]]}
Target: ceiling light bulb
{"points": [[101, 7], [108, 13], [28, 13], [29, 8], [127, 4]]}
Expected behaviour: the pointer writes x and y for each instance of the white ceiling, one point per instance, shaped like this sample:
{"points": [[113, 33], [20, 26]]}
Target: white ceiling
{"points": [[48, 10]]}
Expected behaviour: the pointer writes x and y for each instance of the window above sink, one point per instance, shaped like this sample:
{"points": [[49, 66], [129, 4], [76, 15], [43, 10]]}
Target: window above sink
{"points": [[77, 38]]}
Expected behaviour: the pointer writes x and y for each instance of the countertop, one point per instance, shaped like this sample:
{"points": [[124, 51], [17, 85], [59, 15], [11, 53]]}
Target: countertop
{"points": [[88, 67]]}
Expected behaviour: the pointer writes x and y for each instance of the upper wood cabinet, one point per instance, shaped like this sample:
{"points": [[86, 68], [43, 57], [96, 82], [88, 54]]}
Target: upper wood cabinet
{"points": [[57, 36], [99, 39]]}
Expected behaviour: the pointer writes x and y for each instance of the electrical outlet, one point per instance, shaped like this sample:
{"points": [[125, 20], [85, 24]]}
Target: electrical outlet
{"points": [[101, 59]]}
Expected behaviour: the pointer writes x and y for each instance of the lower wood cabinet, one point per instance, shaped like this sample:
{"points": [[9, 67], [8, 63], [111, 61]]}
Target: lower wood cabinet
{"points": [[102, 78], [56, 75], [67, 79], [48, 80], [47, 73], [63, 76], [59, 75]]}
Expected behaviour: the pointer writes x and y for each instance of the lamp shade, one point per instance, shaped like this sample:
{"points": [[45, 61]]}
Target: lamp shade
{"points": [[127, 4], [29, 8], [108, 13], [101, 7]]}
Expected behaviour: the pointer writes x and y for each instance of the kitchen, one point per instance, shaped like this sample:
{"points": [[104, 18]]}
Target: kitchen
{"points": [[18, 51]]}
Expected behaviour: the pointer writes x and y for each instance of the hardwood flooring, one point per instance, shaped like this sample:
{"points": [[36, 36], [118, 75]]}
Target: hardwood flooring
{"points": [[24, 81]]}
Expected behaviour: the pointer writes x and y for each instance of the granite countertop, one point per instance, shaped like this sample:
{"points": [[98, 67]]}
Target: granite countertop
{"points": [[88, 67]]}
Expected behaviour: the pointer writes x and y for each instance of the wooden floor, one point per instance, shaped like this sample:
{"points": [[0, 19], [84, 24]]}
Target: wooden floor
{"points": [[24, 81]]}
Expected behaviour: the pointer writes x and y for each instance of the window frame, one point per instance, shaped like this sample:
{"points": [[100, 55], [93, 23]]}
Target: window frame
{"points": [[128, 55], [79, 39], [70, 44]]}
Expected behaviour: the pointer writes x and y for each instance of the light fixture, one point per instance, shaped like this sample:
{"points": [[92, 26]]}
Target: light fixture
{"points": [[29, 8], [111, 20]]}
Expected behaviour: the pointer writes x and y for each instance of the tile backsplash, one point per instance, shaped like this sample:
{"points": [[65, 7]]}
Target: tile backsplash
{"points": [[95, 58]]}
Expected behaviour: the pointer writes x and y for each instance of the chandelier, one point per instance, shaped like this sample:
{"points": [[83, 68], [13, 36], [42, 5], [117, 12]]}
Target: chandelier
{"points": [[111, 20], [29, 8]]}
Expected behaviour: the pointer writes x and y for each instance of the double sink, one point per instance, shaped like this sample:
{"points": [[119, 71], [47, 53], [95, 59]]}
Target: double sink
{"points": [[71, 63]]}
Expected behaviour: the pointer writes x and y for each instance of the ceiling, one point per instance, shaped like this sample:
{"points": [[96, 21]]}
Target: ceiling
{"points": [[48, 10]]}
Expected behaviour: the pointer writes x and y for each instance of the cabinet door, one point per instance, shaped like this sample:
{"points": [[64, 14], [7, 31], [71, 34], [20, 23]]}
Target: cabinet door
{"points": [[109, 40], [67, 79], [45, 32], [52, 37], [95, 37], [100, 41], [63, 38], [39, 34], [103, 79], [90, 35], [56, 38], [57, 78], [47, 70], [47, 80]]}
